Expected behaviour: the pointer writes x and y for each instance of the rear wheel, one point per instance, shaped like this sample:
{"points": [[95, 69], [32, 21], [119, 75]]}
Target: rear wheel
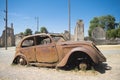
{"points": [[79, 60], [83, 66]]}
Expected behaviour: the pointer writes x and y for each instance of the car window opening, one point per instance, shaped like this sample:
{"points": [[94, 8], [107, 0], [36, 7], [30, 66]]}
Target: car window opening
{"points": [[42, 40], [28, 42], [58, 38]]}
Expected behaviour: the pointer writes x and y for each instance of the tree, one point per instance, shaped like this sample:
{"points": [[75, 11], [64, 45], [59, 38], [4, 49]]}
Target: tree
{"points": [[36, 32], [21, 33], [119, 25], [113, 33], [43, 30], [93, 23], [28, 32], [106, 22], [118, 32], [108, 34]]}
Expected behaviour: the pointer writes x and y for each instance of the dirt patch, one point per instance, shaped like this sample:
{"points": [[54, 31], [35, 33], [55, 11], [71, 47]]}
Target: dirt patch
{"points": [[10, 72], [109, 47]]}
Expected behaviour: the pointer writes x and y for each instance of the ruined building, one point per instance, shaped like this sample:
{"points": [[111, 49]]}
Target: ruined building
{"points": [[98, 33], [79, 31], [10, 37]]}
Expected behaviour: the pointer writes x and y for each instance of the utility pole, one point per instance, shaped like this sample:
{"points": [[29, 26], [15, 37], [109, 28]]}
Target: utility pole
{"points": [[37, 20], [6, 22], [69, 20]]}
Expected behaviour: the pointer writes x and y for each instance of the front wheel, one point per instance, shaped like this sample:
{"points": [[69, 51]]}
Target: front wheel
{"points": [[20, 60]]}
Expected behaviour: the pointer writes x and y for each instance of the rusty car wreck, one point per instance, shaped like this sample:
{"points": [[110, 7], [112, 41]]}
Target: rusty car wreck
{"points": [[50, 50]]}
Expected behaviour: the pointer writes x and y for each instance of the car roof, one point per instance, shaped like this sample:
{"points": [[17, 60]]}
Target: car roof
{"points": [[44, 34]]}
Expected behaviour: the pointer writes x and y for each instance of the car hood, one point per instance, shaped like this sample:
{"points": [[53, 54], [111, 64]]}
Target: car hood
{"points": [[74, 43]]}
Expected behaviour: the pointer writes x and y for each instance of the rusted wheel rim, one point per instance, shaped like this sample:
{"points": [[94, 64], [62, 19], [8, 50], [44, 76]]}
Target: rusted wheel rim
{"points": [[83, 66], [22, 61]]}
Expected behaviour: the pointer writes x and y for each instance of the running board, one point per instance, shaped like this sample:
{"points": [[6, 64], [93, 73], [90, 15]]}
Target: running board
{"points": [[43, 64]]}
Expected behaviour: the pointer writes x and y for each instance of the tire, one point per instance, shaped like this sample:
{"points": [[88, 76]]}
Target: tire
{"points": [[83, 66], [21, 60]]}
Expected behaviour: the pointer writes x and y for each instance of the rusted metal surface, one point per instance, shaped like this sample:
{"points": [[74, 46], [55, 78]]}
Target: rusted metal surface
{"points": [[55, 51]]}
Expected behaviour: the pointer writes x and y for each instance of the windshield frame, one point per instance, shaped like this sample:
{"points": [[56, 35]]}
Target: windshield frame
{"points": [[58, 36]]}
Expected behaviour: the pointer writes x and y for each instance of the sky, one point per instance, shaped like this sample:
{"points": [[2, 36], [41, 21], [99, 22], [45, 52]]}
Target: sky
{"points": [[53, 14]]}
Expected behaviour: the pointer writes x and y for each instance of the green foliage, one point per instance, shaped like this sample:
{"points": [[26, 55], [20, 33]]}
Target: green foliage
{"points": [[36, 32], [21, 33], [102, 21], [108, 34], [93, 23], [118, 35], [89, 32], [28, 32], [113, 33], [119, 25], [111, 21], [118, 32], [43, 30]]}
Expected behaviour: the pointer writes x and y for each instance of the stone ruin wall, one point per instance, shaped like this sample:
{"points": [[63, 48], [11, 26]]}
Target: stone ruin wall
{"points": [[79, 31]]}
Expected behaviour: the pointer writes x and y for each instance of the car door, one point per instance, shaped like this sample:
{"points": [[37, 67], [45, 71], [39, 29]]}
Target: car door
{"points": [[28, 48], [46, 50]]}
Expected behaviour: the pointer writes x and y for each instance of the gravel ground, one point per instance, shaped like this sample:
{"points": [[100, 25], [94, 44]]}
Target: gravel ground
{"points": [[11, 72]]}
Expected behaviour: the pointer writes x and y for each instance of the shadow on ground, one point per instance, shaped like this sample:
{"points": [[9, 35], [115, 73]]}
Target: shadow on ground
{"points": [[102, 68]]}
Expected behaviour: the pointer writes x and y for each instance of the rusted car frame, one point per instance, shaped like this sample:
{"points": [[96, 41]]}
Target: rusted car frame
{"points": [[50, 50]]}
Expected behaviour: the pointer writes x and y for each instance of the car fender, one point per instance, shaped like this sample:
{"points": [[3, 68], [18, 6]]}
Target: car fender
{"points": [[91, 54]]}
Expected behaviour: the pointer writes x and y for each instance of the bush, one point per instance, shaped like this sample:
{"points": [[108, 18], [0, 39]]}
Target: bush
{"points": [[113, 33], [118, 32]]}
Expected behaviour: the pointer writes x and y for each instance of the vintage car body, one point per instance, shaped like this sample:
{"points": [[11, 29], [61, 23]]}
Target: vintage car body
{"points": [[52, 50]]}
